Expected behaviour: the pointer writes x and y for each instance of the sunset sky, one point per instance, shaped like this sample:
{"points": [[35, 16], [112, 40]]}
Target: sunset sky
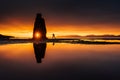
{"points": [[63, 17]]}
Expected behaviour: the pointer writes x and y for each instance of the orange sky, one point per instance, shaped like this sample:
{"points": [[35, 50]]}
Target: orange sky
{"points": [[24, 29], [63, 17]]}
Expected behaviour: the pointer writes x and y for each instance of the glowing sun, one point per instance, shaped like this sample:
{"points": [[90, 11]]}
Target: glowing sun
{"points": [[37, 35]]}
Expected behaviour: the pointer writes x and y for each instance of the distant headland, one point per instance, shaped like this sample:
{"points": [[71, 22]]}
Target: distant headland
{"points": [[5, 37]]}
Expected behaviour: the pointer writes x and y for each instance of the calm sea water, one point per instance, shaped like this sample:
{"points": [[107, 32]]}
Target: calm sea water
{"points": [[61, 61]]}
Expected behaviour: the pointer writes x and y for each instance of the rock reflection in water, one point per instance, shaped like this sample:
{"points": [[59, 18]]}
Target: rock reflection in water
{"points": [[39, 50]]}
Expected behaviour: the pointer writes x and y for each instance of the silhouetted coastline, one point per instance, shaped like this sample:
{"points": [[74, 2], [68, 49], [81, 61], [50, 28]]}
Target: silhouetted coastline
{"points": [[5, 37], [59, 40]]}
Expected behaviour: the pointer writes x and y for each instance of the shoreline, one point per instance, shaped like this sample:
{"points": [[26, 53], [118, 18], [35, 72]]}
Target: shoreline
{"points": [[59, 40]]}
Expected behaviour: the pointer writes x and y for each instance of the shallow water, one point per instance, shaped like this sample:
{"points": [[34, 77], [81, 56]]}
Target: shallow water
{"points": [[62, 61]]}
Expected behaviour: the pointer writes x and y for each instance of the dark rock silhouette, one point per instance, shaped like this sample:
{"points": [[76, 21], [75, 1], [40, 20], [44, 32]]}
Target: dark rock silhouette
{"points": [[39, 50], [4, 37], [39, 27]]}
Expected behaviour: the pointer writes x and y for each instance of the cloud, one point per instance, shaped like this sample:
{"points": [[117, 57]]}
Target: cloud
{"points": [[63, 11]]}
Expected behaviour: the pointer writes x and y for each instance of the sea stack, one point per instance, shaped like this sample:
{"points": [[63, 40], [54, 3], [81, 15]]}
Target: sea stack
{"points": [[39, 31]]}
